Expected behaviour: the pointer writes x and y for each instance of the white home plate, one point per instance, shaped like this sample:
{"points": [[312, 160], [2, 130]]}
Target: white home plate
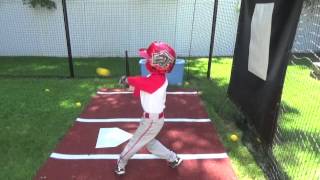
{"points": [[111, 137]]}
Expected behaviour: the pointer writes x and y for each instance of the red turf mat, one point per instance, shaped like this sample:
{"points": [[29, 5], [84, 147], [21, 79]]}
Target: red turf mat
{"points": [[124, 105], [81, 138], [136, 170], [182, 137]]}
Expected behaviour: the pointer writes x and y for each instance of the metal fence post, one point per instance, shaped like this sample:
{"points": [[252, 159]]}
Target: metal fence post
{"points": [[213, 31], [127, 64], [66, 26]]}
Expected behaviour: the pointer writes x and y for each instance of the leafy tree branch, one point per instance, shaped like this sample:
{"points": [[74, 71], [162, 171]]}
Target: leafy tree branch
{"points": [[40, 3]]}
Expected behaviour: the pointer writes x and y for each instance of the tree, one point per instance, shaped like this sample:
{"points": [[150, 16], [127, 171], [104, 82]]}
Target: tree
{"points": [[40, 3], [311, 3]]}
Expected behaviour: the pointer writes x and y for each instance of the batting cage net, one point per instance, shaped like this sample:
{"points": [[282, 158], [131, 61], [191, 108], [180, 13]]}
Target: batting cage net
{"points": [[295, 149], [91, 34], [79, 36], [106, 29], [297, 141], [32, 40]]}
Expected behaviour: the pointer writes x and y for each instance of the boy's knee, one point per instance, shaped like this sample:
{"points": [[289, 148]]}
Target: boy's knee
{"points": [[150, 145]]}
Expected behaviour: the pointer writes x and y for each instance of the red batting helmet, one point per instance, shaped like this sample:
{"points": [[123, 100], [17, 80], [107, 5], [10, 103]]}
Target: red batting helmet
{"points": [[160, 57]]}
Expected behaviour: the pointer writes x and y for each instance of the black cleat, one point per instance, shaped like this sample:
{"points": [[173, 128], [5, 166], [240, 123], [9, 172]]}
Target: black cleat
{"points": [[175, 163]]}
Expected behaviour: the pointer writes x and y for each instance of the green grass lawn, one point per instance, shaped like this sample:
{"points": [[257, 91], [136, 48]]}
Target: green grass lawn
{"points": [[298, 147], [59, 67], [33, 120]]}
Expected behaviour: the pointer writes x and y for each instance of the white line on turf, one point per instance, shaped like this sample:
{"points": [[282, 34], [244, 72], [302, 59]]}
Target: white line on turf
{"points": [[136, 156], [138, 120], [128, 92]]}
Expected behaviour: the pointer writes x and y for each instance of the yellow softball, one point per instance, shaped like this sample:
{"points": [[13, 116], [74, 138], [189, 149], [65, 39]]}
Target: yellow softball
{"points": [[234, 137], [103, 71], [78, 104]]}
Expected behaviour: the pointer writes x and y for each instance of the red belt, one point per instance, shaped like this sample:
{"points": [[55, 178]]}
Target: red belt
{"points": [[147, 115]]}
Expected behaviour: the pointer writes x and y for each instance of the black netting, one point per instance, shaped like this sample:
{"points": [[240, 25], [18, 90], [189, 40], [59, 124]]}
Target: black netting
{"points": [[297, 142], [295, 153]]}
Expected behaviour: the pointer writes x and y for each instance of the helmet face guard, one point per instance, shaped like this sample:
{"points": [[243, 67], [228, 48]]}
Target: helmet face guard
{"points": [[160, 57]]}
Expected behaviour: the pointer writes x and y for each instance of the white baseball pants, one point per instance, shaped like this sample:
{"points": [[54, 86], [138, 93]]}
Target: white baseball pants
{"points": [[148, 129]]}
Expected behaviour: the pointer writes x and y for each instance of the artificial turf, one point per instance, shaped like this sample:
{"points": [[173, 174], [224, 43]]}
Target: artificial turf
{"points": [[38, 106]]}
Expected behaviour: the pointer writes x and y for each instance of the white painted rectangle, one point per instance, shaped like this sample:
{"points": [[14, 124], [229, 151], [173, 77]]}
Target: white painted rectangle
{"points": [[260, 40]]}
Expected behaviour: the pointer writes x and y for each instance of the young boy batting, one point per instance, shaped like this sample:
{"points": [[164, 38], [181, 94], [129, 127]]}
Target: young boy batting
{"points": [[160, 59]]}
